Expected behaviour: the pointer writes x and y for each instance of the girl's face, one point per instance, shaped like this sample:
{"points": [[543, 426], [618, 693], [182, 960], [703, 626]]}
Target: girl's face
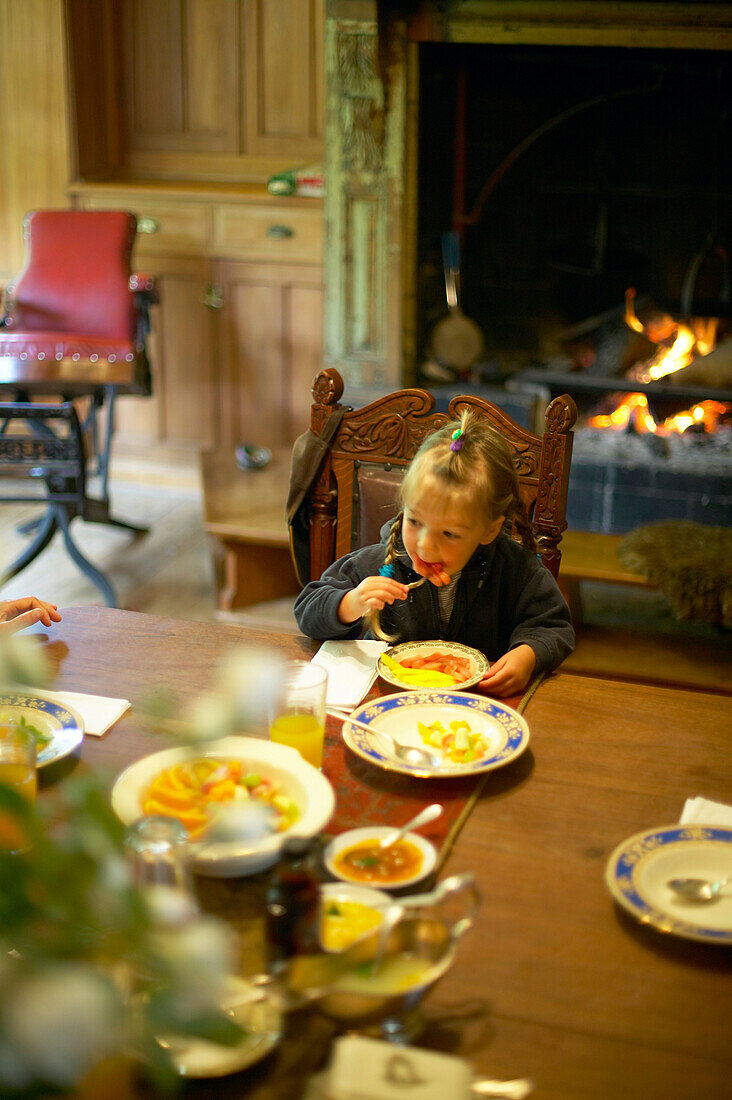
{"points": [[441, 531]]}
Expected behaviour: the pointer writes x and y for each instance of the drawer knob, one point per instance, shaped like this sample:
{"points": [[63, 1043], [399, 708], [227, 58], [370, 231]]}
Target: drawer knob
{"points": [[147, 225], [213, 297], [280, 232]]}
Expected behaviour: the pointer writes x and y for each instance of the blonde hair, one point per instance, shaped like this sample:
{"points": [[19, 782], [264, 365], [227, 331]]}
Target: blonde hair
{"points": [[470, 458]]}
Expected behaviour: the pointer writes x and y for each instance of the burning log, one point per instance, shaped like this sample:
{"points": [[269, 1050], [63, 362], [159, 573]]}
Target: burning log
{"points": [[713, 370]]}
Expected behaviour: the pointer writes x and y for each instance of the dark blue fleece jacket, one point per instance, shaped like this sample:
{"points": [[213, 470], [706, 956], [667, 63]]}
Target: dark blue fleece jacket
{"points": [[505, 597]]}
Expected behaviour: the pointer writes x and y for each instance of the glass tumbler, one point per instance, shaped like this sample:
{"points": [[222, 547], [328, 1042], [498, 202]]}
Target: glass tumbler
{"points": [[157, 850], [17, 770], [297, 712]]}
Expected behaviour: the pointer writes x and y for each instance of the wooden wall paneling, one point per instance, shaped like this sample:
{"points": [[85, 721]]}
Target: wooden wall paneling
{"points": [[34, 124]]}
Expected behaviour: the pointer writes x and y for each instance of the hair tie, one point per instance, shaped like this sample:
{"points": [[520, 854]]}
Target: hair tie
{"points": [[387, 570], [457, 440]]}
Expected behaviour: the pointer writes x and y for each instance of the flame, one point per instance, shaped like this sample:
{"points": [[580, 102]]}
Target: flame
{"points": [[678, 344], [634, 407]]}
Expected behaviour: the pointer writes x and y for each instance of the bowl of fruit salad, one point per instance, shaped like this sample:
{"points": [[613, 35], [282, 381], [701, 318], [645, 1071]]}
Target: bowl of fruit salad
{"points": [[238, 798], [437, 664]]}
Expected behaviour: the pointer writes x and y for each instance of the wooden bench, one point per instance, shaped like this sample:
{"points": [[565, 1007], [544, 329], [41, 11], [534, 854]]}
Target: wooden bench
{"points": [[589, 556], [244, 514]]}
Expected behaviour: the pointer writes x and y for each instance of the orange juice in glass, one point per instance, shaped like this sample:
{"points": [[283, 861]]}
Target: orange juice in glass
{"points": [[17, 770], [297, 715]]}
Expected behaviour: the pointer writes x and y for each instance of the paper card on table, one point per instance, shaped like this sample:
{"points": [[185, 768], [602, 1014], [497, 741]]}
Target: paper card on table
{"points": [[97, 712], [705, 812], [351, 668]]}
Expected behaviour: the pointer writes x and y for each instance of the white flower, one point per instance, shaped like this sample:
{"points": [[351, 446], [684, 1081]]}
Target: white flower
{"points": [[200, 956], [249, 680], [61, 1023], [243, 820], [22, 661]]}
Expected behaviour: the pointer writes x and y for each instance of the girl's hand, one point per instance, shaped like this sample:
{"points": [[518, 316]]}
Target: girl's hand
{"points": [[510, 673], [371, 595], [15, 614]]}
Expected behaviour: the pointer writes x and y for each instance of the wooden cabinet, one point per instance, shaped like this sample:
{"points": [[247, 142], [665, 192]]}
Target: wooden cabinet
{"points": [[271, 349], [180, 110], [196, 89]]}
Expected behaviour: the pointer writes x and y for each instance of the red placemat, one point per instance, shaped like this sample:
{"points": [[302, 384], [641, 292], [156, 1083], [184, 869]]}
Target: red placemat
{"points": [[368, 795]]}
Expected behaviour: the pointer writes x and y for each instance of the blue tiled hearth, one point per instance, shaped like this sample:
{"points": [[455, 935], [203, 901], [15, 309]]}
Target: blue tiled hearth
{"points": [[622, 481]]}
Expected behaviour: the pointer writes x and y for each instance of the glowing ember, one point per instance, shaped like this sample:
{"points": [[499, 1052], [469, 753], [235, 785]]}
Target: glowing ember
{"points": [[677, 346]]}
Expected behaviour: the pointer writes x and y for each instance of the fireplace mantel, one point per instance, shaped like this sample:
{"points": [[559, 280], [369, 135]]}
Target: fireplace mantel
{"points": [[371, 142]]}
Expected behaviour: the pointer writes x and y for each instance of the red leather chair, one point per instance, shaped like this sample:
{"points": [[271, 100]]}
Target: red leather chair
{"points": [[76, 297], [75, 325]]}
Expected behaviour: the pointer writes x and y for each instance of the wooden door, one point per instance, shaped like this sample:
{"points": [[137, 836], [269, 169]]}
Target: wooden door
{"points": [[271, 340]]}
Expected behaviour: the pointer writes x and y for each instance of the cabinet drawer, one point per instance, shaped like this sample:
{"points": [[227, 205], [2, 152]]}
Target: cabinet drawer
{"points": [[169, 228], [269, 233]]}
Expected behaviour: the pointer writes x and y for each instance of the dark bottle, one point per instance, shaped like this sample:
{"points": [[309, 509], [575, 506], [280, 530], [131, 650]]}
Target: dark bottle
{"points": [[293, 904]]}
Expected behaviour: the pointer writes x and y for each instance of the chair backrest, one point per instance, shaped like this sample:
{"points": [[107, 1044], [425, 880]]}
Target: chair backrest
{"points": [[355, 490], [76, 274]]}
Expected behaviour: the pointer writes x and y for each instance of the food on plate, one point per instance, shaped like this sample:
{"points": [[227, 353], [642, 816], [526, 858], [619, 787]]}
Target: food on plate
{"points": [[343, 922], [8, 719], [417, 677], [367, 862], [457, 743], [449, 663], [194, 790]]}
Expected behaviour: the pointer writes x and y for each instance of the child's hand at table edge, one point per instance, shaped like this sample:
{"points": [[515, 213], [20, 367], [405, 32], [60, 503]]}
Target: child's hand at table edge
{"points": [[16, 614], [510, 673]]}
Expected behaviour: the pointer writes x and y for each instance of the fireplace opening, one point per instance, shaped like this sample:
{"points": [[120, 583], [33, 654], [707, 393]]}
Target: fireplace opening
{"points": [[576, 174], [590, 190]]}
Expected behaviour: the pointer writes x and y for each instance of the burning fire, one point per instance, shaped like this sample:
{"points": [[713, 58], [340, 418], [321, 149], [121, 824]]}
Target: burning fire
{"points": [[677, 345]]}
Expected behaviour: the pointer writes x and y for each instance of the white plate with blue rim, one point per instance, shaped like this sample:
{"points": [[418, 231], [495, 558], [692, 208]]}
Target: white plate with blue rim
{"points": [[504, 730], [59, 728], [639, 870], [473, 662]]}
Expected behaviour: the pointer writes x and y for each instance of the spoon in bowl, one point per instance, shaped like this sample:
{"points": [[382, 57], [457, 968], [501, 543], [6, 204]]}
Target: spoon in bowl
{"points": [[429, 813], [418, 758], [698, 889]]}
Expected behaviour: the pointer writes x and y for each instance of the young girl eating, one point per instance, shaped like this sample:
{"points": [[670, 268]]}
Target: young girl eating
{"points": [[485, 589]]}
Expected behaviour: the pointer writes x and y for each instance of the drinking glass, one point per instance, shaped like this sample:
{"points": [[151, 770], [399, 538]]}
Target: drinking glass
{"points": [[297, 712], [17, 770], [157, 849]]}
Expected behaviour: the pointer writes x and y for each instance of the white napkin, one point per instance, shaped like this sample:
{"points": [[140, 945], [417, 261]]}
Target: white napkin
{"points": [[705, 812], [97, 712], [351, 668]]}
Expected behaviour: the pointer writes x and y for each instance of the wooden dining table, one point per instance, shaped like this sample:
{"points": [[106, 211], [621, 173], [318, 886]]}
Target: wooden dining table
{"points": [[555, 981]]}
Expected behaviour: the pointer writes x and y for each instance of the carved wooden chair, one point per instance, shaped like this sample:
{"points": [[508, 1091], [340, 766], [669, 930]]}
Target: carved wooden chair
{"points": [[354, 491]]}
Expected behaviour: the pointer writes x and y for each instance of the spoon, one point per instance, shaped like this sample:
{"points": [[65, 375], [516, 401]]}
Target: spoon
{"points": [[698, 889], [418, 758], [429, 813]]}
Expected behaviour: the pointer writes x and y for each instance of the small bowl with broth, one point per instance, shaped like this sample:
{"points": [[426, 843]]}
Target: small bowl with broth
{"points": [[355, 856]]}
